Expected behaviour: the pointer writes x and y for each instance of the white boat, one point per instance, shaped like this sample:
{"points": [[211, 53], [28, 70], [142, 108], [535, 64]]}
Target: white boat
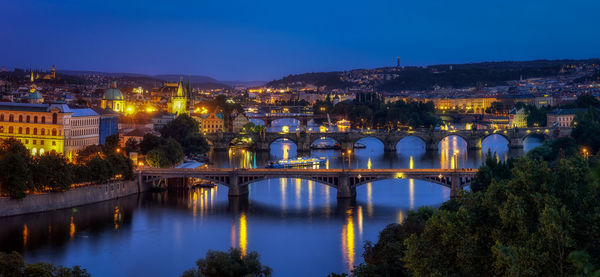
{"points": [[298, 162]]}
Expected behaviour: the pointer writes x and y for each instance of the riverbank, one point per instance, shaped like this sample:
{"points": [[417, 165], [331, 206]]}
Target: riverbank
{"points": [[80, 196]]}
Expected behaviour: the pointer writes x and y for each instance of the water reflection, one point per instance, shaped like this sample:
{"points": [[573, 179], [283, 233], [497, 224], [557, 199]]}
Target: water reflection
{"points": [[287, 219]]}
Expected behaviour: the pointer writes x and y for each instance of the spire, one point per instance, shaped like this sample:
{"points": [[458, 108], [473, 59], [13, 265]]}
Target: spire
{"points": [[189, 87], [180, 87]]}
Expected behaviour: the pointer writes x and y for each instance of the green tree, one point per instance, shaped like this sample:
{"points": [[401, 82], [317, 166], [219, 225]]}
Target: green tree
{"points": [[131, 145], [13, 265], [385, 257], [184, 129], [111, 144], [229, 264], [15, 174], [52, 170], [149, 142], [587, 130], [100, 170], [492, 169], [167, 155]]}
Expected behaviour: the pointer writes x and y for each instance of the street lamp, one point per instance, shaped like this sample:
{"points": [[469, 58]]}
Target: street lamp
{"points": [[585, 152]]}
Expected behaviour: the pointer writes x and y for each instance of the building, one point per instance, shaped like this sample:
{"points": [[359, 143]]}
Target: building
{"points": [[109, 123], [562, 117], [178, 103], [84, 130], [35, 97], [472, 105], [237, 124], [113, 99], [162, 119], [211, 122], [517, 118], [49, 127]]}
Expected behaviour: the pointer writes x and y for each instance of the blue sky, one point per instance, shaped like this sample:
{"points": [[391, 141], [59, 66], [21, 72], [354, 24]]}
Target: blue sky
{"points": [[265, 40]]}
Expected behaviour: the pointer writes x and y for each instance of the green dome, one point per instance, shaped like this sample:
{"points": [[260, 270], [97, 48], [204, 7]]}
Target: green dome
{"points": [[112, 94], [35, 95]]}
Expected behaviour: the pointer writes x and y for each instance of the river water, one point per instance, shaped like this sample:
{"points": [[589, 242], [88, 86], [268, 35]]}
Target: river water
{"points": [[298, 227]]}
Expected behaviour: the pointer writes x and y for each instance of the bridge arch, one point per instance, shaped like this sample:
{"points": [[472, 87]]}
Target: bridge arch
{"points": [[402, 143], [324, 138], [485, 140], [331, 181], [376, 139], [443, 180], [460, 137]]}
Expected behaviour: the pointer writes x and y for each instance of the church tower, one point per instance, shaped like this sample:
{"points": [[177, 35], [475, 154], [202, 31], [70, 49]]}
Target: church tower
{"points": [[178, 103]]}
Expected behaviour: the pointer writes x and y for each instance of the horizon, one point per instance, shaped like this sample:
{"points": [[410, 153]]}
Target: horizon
{"points": [[43, 69], [268, 40]]}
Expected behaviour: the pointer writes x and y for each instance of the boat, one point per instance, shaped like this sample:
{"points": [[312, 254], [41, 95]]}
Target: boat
{"points": [[359, 145], [298, 162], [326, 146]]}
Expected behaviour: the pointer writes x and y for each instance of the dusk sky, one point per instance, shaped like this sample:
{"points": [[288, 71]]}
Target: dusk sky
{"points": [[265, 40]]}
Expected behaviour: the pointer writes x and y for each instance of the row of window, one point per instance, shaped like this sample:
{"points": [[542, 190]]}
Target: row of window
{"points": [[29, 118], [81, 142], [27, 131], [84, 132], [35, 142], [83, 122]]}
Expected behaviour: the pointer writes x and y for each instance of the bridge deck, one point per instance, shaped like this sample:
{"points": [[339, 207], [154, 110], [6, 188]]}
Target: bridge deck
{"points": [[292, 171]]}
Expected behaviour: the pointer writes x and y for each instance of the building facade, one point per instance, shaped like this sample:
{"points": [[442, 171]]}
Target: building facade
{"points": [[211, 122], [113, 99], [517, 118], [237, 124], [44, 128], [109, 123], [562, 117]]}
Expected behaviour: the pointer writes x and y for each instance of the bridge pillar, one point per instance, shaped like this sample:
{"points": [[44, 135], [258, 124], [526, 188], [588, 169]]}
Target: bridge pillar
{"points": [[431, 146], [344, 189], [303, 142], [346, 145], [235, 190], [267, 122], [516, 143], [389, 147], [455, 186], [474, 143]]}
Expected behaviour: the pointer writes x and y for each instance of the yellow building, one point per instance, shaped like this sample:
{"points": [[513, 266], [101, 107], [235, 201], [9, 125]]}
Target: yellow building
{"points": [[237, 124], [473, 105], [113, 99], [211, 123], [49, 127], [178, 103], [517, 118]]}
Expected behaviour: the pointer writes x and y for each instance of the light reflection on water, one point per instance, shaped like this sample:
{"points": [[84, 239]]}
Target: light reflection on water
{"points": [[283, 219]]}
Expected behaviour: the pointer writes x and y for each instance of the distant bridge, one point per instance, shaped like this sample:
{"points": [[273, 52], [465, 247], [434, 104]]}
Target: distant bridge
{"points": [[345, 181], [515, 137], [302, 118]]}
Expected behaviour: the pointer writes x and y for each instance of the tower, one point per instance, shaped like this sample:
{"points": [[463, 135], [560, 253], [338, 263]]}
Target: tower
{"points": [[178, 103], [53, 73]]}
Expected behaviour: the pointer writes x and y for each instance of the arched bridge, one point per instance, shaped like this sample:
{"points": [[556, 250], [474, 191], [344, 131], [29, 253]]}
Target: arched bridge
{"points": [[345, 181], [431, 138], [301, 117]]}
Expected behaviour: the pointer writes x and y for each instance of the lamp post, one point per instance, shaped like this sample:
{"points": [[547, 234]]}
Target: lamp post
{"points": [[585, 153]]}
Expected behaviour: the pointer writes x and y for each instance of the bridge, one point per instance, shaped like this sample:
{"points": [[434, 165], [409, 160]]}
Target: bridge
{"points": [[268, 118], [303, 140], [344, 181]]}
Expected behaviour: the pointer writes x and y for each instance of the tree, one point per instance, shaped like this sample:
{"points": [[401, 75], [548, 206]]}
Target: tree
{"points": [[15, 175], [13, 265], [53, 171], [229, 264], [385, 257], [100, 170], [166, 155], [111, 144], [184, 129], [149, 142], [587, 130], [492, 169], [88, 152], [131, 145]]}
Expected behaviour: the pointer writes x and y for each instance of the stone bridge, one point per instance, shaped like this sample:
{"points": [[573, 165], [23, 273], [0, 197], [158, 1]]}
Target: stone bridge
{"points": [[431, 138], [302, 118], [345, 181]]}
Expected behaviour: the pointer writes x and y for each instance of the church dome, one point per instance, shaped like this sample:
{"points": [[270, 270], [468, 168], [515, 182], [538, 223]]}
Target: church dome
{"points": [[112, 94]]}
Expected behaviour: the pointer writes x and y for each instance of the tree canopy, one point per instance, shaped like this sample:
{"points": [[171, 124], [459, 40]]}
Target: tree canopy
{"points": [[229, 264]]}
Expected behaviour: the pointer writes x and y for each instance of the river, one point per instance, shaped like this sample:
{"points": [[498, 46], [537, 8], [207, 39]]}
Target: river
{"points": [[298, 227]]}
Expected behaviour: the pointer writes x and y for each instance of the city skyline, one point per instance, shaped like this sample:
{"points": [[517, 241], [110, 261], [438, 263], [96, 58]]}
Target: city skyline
{"points": [[268, 40]]}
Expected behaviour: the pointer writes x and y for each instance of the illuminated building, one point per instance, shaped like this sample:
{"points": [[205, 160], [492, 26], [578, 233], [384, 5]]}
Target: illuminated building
{"points": [[237, 124], [562, 117], [178, 103], [35, 97], [211, 123], [517, 118], [113, 99], [49, 127], [474, 105]]}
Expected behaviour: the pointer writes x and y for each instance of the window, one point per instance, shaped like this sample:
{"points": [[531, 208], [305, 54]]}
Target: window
{"points": [[10, 130], [41, 143], [20, 118], [34, 142], [53, 143], [20, 130], [1, 129], [35, 119], [43, 119], [54, 118], [27, 131], [1, 117], [28, 119], [53, 132], [43, 132], [11, 118]]}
